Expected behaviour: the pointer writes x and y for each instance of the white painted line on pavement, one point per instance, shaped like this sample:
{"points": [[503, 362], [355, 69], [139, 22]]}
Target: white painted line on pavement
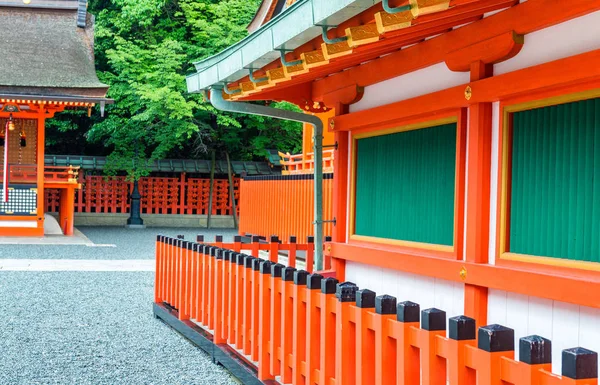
{"points": [[77, 265]]}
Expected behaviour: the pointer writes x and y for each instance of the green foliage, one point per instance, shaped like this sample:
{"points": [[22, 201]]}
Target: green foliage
{"points": [[144, 49]]}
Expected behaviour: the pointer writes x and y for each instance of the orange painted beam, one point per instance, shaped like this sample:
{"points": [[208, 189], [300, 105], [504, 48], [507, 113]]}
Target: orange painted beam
{"points": [[572, 286], [583, 69], [490, 51], [524, 18]]}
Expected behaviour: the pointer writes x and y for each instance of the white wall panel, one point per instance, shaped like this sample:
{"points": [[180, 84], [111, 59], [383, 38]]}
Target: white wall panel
{"points": [[566, 325], [427, 292], [570, 38], [421, 82], [494, 181]]}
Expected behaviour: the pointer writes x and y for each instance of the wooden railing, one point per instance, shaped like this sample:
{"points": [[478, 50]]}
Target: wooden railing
{"points": [[305, 164], [27, 174], [177, 195], [304, 328]]}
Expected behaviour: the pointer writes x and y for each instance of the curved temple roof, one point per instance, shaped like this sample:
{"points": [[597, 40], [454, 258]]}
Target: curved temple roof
{"points": [[292, 28]]}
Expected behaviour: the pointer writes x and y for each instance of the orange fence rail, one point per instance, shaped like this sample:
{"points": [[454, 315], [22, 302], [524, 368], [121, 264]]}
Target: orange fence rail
{"points": [[181, 195], [27, 173], [305, 164], [306, 329], [283, 205]]}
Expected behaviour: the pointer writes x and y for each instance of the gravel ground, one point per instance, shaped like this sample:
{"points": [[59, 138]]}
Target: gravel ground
{"points": [[131, 244], [92, 328]]}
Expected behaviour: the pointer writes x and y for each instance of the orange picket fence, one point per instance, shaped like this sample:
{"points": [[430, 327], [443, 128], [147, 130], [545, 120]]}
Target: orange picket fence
{"points": [[289, 326], [283, 205], [160, 195]]}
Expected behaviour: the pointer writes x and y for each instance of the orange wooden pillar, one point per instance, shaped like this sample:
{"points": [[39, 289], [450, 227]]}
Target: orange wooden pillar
{"points": [[478, 194], [433, 367], [198, 277], [276, 324], [385, 345], [66, 217], [327, 337], [345, 334], [247, 304], [341, 183], [158, 275], [407, 355], [313, 325], [493, 343], [365, 337], [254, 311], [287, 318], [239, 301], [299, 328], [231, 301], [461, 333], [264, 321]]}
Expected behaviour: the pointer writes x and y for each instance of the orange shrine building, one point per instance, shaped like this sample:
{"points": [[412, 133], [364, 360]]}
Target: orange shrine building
{"points": [[465, 178], [52, 73]]}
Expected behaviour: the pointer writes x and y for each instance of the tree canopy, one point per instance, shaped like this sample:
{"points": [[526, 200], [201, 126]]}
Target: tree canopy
{"points": [[144, 49]]}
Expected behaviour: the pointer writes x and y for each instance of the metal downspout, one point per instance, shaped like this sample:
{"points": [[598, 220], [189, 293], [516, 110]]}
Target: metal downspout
{"points": [[216, 99]]}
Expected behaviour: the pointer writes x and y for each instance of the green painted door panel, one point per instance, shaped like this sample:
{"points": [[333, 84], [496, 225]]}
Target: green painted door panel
{"points": [[405, 185], [555, 191]]}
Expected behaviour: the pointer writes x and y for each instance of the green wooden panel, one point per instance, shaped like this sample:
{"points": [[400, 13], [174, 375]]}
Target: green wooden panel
{"points": [[555, 191], [405, 185]]}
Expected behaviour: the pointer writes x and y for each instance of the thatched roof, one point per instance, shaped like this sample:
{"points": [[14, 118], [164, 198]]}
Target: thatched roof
{"points": [[44, 52]]}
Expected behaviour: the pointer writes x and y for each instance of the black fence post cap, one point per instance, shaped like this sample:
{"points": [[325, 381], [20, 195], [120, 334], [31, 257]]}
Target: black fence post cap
{"points": [[310, 239], [220, 253], [190, 245], [256, 263], [199, 238], [276, 270], [159, 238], [462, 328], [248, 261], [237, 238], [579, 363], [255, 238], [274, 239], [329, 285], [313, 282], [535, 350], [287, 275], [180, 236], [496, 338], [346, 292], [300, 277], [293, 239], [408, 312], [240, 258], [265, 267], [385, 304], [365, 298], [433, 319], [218, 238]]}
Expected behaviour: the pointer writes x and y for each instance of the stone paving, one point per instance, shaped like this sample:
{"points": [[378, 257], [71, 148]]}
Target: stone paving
{"points": [[83, 315]]}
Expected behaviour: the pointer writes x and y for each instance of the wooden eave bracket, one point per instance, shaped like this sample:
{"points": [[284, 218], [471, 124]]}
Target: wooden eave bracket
{"points": [[490, 51]]}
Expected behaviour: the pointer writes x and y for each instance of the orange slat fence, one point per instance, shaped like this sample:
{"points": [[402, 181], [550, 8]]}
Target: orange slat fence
{"points": [[283, 205], [182, 195], [308, 329]]}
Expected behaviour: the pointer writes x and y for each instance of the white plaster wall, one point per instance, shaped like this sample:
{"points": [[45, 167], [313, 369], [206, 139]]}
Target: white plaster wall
{"points": [[566, 325], [427, 292], [570, 38], [494, 181], [421, 82]]}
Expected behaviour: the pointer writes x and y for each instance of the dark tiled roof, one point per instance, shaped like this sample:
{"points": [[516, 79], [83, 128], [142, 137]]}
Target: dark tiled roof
{"points": [[43, 50], [168, 165]]}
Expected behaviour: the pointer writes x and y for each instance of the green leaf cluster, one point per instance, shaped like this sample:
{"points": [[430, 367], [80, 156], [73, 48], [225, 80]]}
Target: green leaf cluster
{"points": [[144, 49]]}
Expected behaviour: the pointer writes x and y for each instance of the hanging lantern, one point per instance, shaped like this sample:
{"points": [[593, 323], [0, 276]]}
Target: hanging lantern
{"points": [[23, 138], [11, 123]]}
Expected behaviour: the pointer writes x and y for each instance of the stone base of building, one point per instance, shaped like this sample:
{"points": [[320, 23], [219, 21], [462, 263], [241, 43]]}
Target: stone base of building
{"points": [[154, 220]]}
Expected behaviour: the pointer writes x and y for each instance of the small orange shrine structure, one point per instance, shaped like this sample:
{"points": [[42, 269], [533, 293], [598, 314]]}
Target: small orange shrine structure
{"points": [[52, 72], [466, 199]]}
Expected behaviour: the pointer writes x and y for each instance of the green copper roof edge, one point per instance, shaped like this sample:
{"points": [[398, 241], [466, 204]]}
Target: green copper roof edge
{"points": [[204, 63], [210, 64]]}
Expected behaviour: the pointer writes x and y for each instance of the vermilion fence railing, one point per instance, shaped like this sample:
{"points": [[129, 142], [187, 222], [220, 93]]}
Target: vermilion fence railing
{"points": [[302, 328], [283, 205], [181, 195]]}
